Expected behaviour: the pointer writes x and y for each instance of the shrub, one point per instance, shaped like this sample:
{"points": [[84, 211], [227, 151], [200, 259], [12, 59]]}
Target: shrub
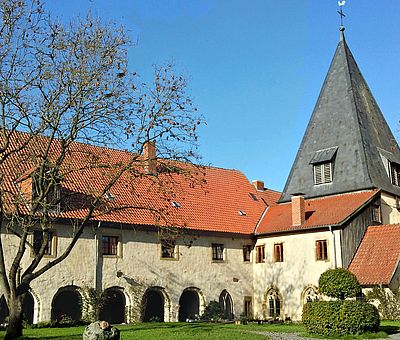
{"points": [[336, 318], [339, 283], [213, 311]]}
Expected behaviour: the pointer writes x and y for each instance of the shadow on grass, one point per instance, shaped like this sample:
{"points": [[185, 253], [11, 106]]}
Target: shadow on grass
{"points": [[389, 329]]}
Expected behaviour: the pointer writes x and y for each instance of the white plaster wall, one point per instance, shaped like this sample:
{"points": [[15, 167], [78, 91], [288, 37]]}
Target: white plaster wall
{"points": [[77, 269], [142, 267], [299, 270], [390, 214]]}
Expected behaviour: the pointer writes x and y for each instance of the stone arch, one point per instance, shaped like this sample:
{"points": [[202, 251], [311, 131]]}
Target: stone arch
{"points": [[67, 302], [191, 304], [4, 312], [156, 305], [226, 303], [29, 308], [113, 310], [273, 303], [36, 308], [310, 293]]}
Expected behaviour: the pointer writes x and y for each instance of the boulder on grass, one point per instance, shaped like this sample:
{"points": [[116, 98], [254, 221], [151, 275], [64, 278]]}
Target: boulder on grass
{"points": [[100, 330]]}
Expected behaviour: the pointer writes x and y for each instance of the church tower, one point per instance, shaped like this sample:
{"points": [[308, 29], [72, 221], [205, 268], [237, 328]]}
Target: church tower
{"points": [[348, 145]]}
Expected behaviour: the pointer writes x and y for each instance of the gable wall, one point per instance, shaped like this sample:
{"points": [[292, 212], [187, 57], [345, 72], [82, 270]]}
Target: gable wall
{"points": [[390, 214], [299, 270]]}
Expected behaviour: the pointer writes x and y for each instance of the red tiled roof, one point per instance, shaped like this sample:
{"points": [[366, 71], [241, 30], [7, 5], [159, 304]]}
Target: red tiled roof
{"points": [[323, 211], [211, 203], [271, 197], [377, 256]]}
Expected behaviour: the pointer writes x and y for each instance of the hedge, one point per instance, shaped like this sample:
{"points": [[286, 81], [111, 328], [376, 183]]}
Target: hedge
{"points": [[339, 283], [340, 317]]}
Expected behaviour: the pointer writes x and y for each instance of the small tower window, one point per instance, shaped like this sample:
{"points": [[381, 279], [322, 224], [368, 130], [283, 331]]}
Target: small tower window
{"points": [[395, 173], [322, 173], [322, 162]]}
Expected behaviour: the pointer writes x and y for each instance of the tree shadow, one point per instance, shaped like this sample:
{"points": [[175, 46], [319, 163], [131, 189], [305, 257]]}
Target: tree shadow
{"points": [[390, 329]]}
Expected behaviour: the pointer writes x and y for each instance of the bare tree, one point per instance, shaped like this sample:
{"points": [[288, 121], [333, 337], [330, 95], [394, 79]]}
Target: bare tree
{"points": [[67, 83]]}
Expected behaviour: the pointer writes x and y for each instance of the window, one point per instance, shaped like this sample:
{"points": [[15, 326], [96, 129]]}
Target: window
{"points": [[376, 213], [395, 173], [247, 253], [260, 254], [321, 250], [278, 252], [247, 307], [322, 173], [217, 251], [109, 245], [322, 161], [274, 304], [38, 237], [310, 294], [168, 249]]}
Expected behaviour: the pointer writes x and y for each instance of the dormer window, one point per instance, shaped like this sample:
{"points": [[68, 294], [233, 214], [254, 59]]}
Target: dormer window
{"points": [[322, 173], [322, 162], [395, 173]]}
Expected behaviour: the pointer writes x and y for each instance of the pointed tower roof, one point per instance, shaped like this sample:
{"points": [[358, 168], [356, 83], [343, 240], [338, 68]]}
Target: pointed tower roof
{"points": [[346, 128]]}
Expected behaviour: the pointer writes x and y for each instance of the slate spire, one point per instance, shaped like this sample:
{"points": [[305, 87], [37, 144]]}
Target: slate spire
{"points": [[348, 130]]}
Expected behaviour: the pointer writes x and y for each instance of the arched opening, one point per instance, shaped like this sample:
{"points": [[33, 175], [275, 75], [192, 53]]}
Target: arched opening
{"points": [[272, 306], [28, 308], [226, 304], [310, 293], [189, 305], [67, 304], [113, 310], [153, 306], [4, 312]]}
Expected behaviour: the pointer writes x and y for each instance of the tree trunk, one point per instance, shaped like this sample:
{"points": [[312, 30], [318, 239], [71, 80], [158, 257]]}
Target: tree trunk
{"points": [[14, 328]]}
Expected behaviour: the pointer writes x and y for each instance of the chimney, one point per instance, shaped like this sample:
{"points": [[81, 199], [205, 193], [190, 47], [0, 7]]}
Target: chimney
{"points": [[149, 153], [259, 185], [298, 209]]}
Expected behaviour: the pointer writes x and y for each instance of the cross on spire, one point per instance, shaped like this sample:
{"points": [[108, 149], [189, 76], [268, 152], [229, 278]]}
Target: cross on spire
{"points": [[341, 14]]}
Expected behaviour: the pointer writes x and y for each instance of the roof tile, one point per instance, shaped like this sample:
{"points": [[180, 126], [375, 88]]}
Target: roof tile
{"points": [[209, 197], [377, 256], [323, 211]]}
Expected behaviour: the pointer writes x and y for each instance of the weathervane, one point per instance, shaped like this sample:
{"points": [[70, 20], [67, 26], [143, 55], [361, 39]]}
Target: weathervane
{"points": [[341, 4]]}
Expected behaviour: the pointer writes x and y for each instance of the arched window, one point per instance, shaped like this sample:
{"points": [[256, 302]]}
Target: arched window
{"points": [[273, 303], [310, 294], [226, 304]]}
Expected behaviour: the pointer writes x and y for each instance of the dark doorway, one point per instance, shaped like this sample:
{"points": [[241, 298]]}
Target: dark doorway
{"points": [[4, 312], [153, 306], [66, 304], [28, 307], [226, 304], [189, 305], [113, 310]]}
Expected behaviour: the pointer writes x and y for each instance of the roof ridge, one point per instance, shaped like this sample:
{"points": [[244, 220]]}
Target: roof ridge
{"points": [[347, 52]]}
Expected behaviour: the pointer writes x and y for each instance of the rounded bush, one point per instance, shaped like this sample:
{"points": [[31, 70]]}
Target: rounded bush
{"points": [[337, 318], [339, 283]]}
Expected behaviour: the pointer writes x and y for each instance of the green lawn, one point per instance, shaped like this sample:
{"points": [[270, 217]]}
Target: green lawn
{"points": [[181, 331]]}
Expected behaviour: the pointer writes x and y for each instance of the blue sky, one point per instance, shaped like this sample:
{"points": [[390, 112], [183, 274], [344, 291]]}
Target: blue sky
{"points": [[256, 66]]}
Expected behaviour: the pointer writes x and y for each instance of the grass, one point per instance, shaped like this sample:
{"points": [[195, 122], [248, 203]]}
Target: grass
{"points": [[193, 331]]}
